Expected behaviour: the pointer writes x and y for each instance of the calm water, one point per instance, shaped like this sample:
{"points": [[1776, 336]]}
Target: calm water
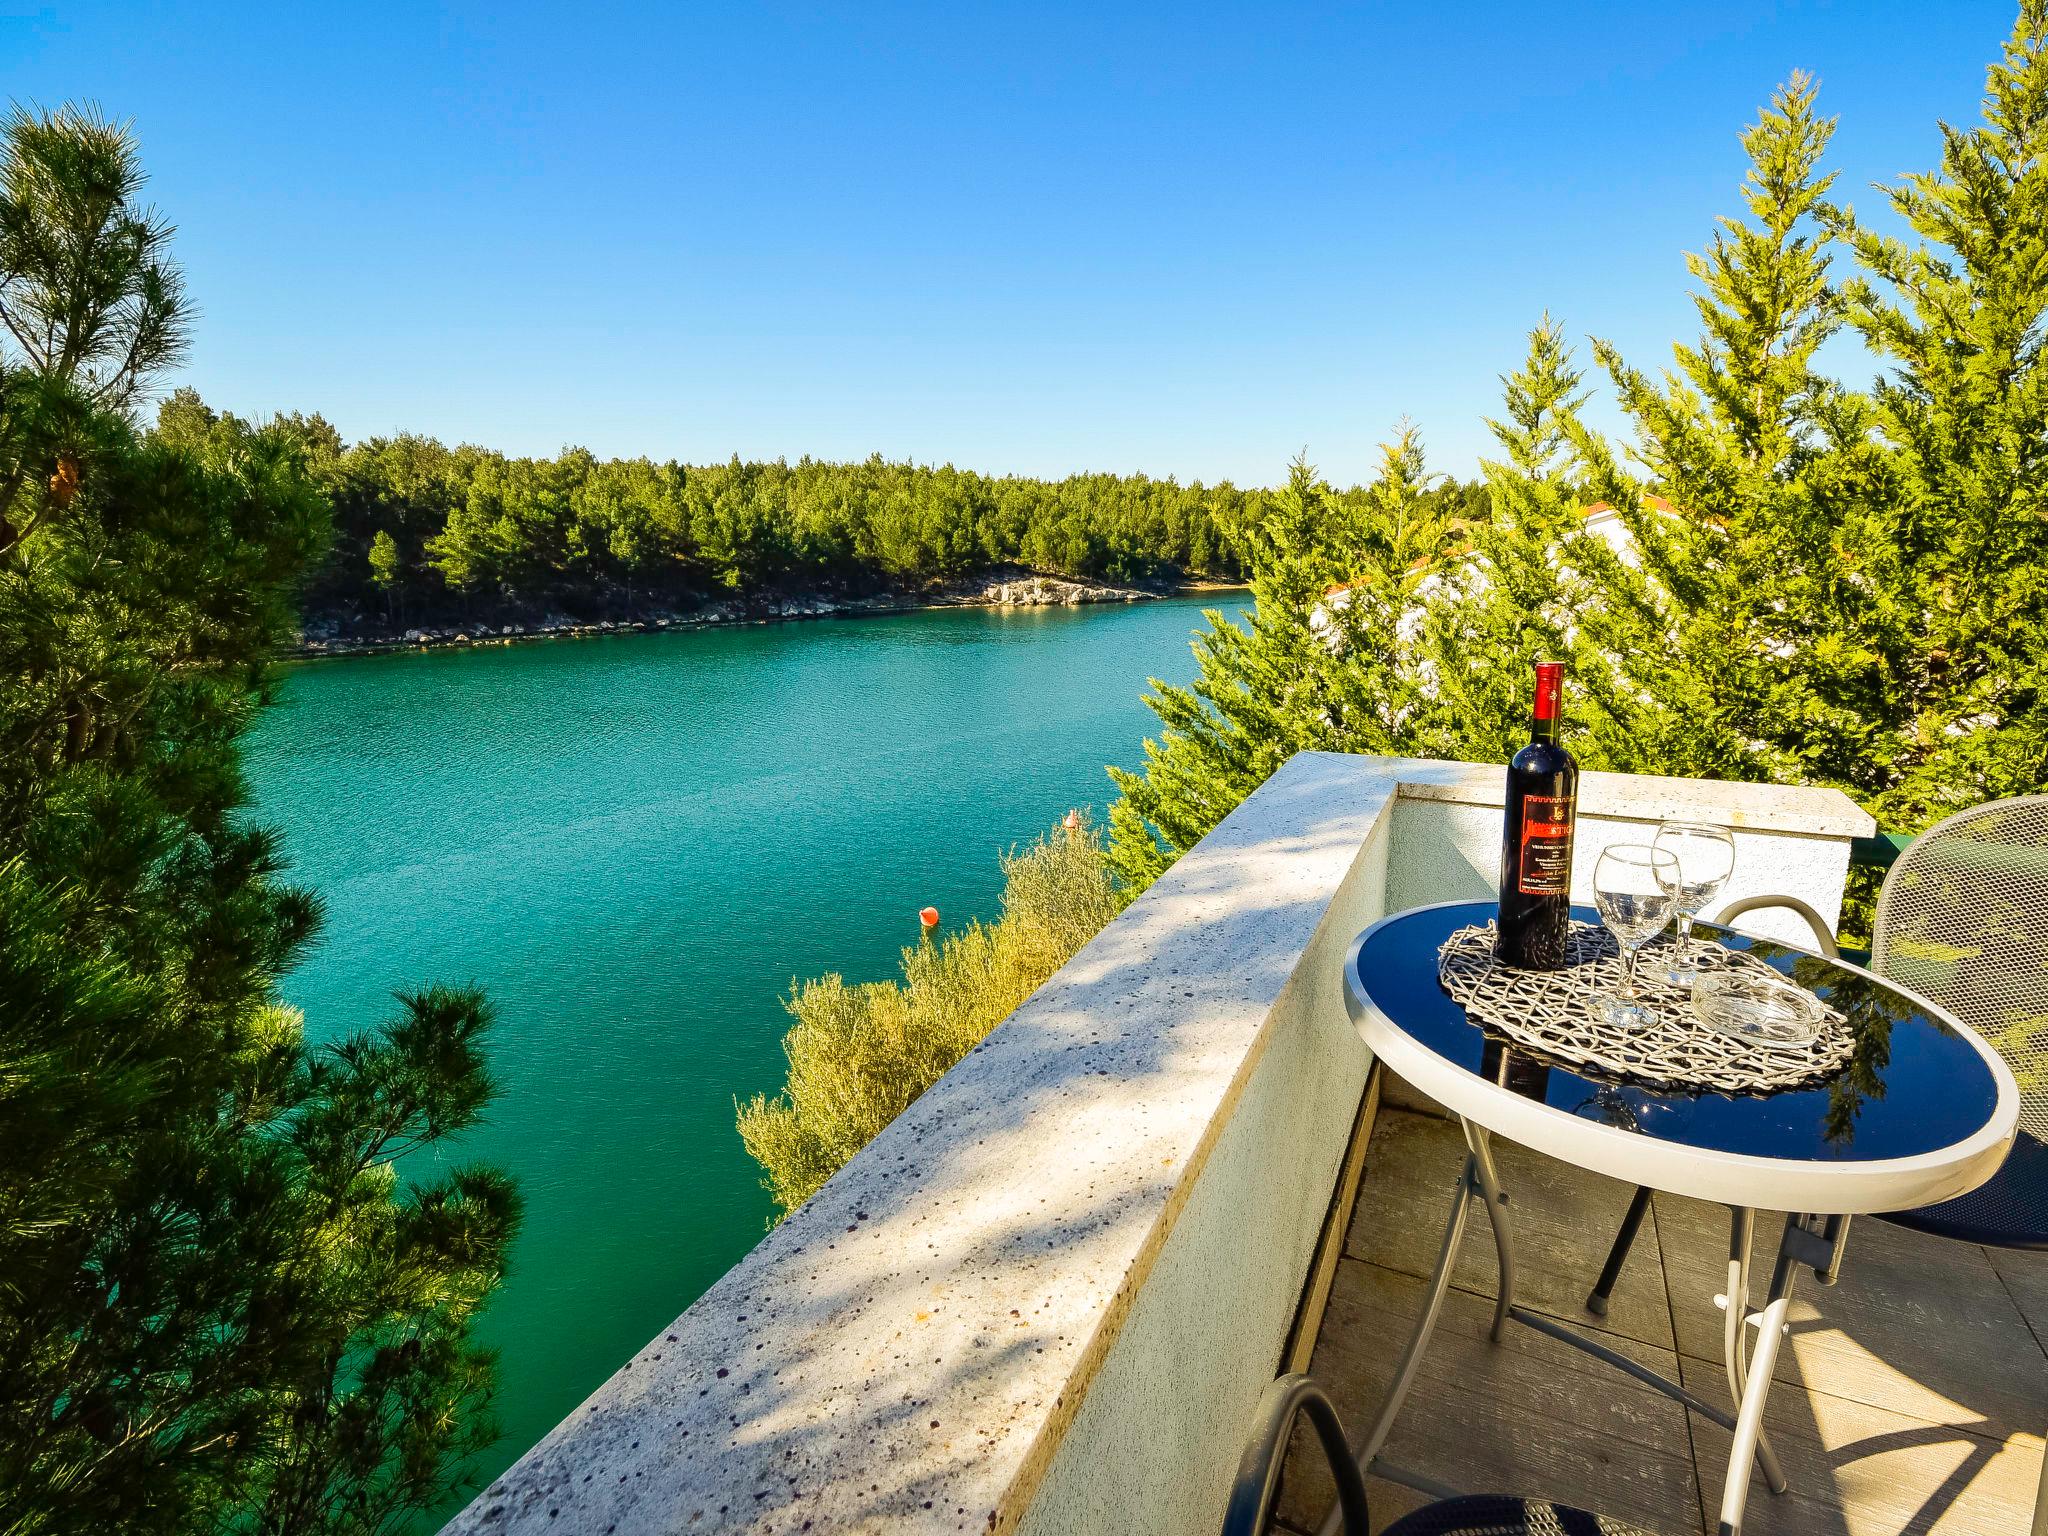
{"points": [[635, 844]]}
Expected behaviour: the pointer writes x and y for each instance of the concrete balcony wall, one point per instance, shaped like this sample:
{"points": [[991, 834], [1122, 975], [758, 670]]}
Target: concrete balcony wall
{"points": [[1046, 1298], [1156, 1440]]}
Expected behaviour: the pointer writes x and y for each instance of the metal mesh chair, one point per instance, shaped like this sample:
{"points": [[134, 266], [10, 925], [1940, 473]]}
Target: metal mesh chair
{"points": [[1963, 920], [1487, 1515], [1258, 1483]]}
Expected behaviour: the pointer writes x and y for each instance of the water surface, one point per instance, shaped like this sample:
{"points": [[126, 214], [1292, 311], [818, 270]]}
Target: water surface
{"points": [[635, 844]]}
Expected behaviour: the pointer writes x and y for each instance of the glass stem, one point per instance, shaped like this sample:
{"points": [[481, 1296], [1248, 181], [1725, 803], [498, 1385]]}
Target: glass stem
{"points": [[1628, 976], [1684, 932]]}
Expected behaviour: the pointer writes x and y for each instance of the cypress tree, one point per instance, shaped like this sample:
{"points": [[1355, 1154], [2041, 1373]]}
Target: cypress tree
{"points": [[1712, 628], [1959, 582], [1818, 583], [1320, 663]]}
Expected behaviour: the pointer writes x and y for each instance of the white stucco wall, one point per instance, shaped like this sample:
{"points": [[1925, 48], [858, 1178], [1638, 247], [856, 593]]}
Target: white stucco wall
{"points": [[1788, 842]]}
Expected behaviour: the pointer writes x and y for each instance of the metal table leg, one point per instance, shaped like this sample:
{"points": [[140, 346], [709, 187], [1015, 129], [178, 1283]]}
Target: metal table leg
{"points": [[1411, 1357], [1806, 1240], [1476, 1178], [1425, 1325], [1481, 1162], [1734, 1321], [1638, 1206], [1756, 1384]]}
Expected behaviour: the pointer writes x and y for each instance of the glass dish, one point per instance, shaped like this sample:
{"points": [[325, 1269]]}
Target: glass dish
{"points": [[1760, 1009]]}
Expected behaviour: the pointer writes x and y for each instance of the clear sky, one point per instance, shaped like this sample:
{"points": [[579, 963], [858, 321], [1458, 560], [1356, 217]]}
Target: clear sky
{"points": [[1044, 237]]}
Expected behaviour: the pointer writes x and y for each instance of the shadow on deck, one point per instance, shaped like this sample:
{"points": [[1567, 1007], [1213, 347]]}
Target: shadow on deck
{"points": [[1910, 1398]]}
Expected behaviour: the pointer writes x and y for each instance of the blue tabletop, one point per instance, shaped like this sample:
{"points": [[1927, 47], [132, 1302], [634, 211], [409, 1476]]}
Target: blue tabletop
{"points": [[1913, 1085]]}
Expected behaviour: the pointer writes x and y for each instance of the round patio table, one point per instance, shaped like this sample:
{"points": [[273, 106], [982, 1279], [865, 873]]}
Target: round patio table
{"points": [[1923, 1111]]}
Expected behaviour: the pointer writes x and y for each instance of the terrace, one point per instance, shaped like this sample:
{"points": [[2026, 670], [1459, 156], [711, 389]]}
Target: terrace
{"points": [[1047, 1298], [1912, 1398]]}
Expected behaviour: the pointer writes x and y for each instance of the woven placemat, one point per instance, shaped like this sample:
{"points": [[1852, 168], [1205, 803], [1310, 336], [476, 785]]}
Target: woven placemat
{"points": [[1560, 1014]]}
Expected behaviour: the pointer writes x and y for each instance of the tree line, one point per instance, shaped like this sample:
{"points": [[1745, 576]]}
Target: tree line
{"points": [[422, 529], [425, 531]]}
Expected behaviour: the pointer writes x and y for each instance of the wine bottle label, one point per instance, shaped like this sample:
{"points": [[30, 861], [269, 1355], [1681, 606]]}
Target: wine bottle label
{"points": [[1545, 866]]}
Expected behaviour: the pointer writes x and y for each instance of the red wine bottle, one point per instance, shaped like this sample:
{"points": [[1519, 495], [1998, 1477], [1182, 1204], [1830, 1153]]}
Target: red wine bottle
{"points": [[1536, 839]]}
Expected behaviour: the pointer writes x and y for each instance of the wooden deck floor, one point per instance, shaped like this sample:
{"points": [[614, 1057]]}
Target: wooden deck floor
{"points": [[1910, 1398]]}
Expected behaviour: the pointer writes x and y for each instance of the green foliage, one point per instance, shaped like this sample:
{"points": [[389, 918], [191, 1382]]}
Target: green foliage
{"points": [[860, 1054], [385, 567], [1323, 662], [1818, 584], [221, 1306], [384, 563], [1960, 605], [88, 290], [1851, 587], [467, 525]]}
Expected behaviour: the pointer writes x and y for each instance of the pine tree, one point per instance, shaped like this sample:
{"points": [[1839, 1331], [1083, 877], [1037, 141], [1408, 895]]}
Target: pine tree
{"points": [[1319, 664], [1506, 603], [90, 293], [1729, 640], [221, 1306]]}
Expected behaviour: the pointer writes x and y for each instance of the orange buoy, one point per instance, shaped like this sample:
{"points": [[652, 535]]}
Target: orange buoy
{"points": [[929, 916]]}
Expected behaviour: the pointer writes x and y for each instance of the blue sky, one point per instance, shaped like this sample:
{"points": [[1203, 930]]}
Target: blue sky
{"points": [[1181, 239]]}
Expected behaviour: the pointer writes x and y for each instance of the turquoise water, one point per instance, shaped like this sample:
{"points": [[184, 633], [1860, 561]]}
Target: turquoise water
{"points": [[635, 844]]}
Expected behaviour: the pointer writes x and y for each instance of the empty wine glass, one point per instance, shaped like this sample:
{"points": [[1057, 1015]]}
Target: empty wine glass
{"points": [[1706, 858], [1633, 886]]}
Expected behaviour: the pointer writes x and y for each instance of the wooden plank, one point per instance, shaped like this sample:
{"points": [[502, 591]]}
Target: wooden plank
{"points": [[1563, 1220], [1856, 1470], [1308, 1317], [1918, 1325], [2025, 1277], [1528, 1415]]}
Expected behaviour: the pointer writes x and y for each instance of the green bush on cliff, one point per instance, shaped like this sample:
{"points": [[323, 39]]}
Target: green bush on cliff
{"points": [[861, 1053]]}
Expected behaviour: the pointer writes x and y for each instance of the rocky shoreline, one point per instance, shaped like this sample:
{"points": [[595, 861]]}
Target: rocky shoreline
{"points": [[1006, 589]]}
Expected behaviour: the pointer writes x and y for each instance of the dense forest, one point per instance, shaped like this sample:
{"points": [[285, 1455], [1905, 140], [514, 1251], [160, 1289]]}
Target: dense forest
{"points": [[424, 532]]}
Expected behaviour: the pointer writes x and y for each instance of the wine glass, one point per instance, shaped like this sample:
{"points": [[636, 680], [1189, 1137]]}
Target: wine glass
{"points": [[1634, 887], [1706, 858]]}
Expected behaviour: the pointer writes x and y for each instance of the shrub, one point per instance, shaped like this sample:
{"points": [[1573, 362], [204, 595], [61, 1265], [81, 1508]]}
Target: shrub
{"points": [[861, 1053]]}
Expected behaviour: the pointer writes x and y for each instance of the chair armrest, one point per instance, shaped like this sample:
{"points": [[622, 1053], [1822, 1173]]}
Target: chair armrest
{"points": [[1822, 934], [1258, 1474]]}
